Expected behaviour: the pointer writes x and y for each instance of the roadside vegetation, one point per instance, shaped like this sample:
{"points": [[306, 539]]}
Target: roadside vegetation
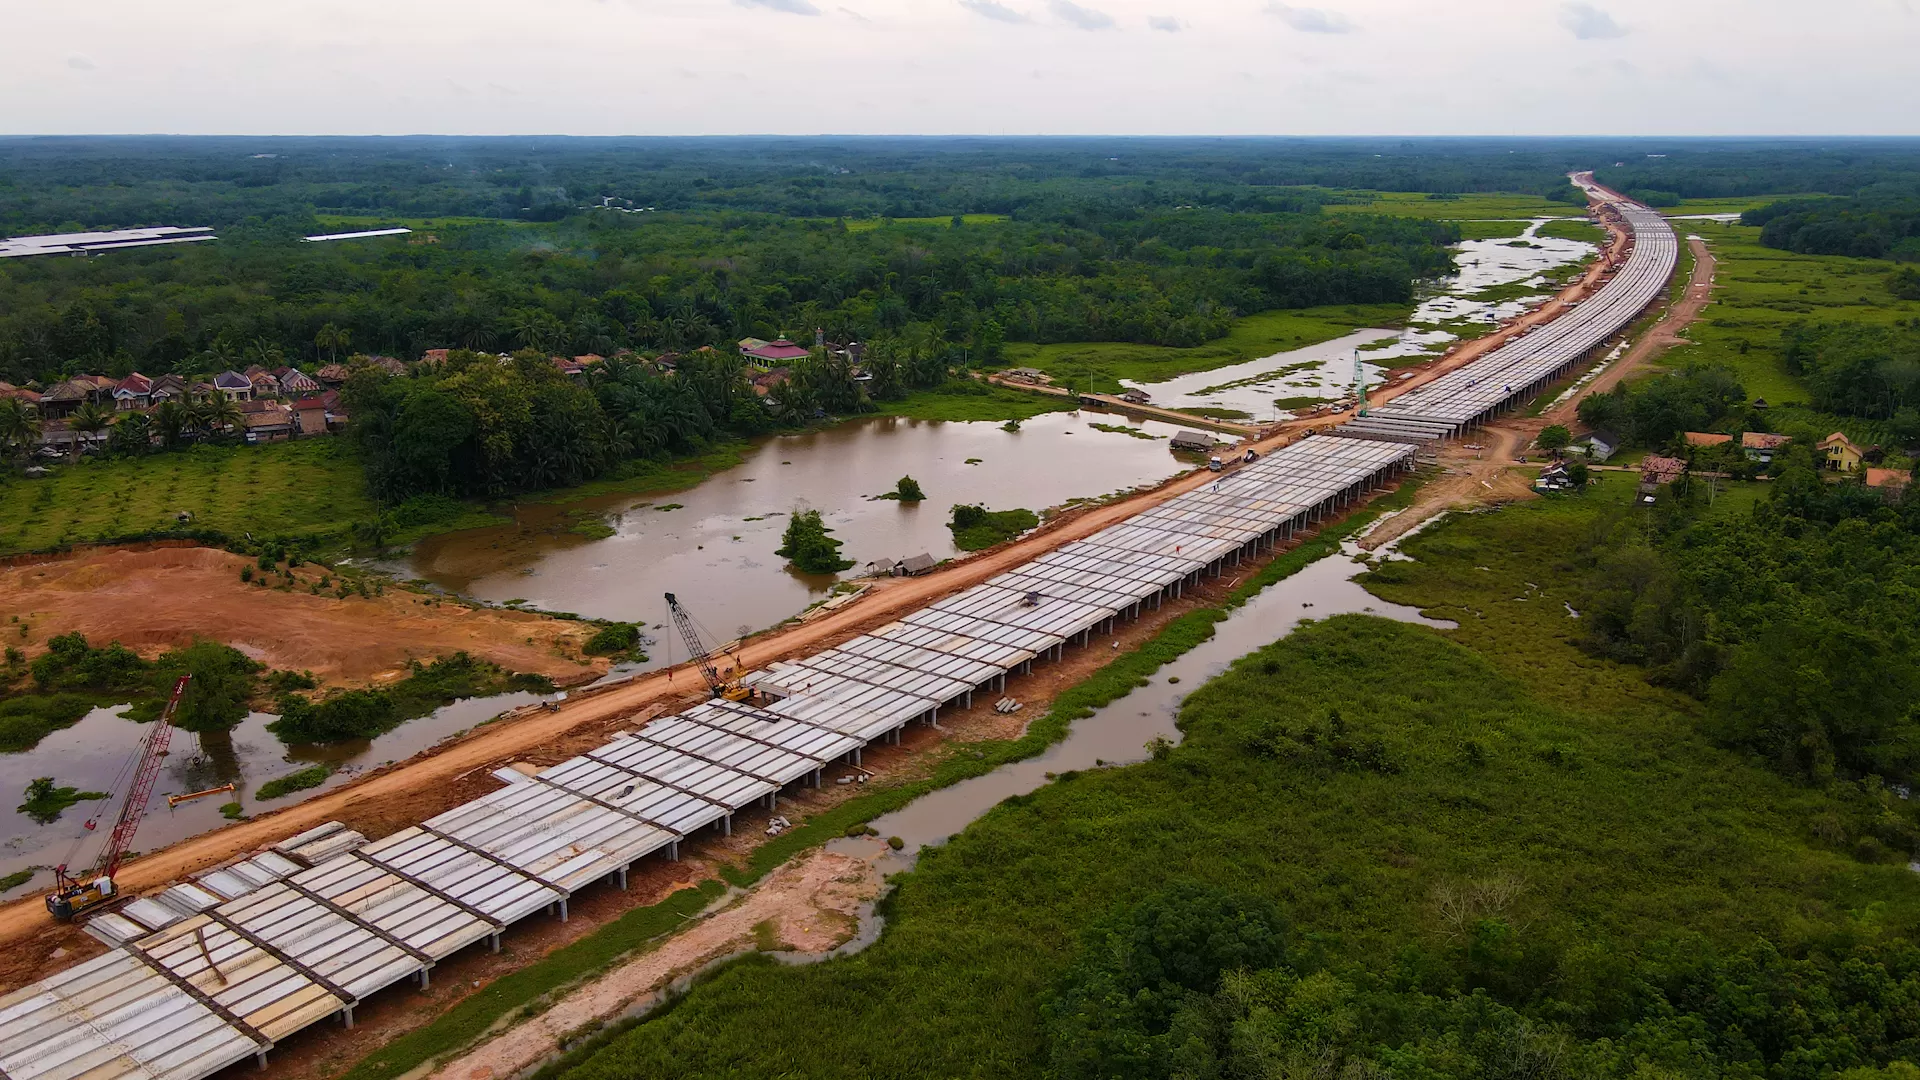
{"points": [[305, 779]]}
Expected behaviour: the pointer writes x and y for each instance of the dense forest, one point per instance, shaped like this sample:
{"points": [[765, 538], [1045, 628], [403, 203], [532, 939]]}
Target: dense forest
{"points": [[48, 184], [599, 282], [1721, 168], [1880, 223]]}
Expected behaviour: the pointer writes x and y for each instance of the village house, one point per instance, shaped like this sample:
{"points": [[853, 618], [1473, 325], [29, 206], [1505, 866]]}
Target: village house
{"points": [[1706, 438], [264, 384], [233, 386], [1839, 453], [772, 354], [62, 398], [1596, 445], [1762, 445], [1891, 483], [294, 382], [266, 421], [333, 374], [1656, 470], [167, 388], [29, 398], [310, 416], [133, 392], [1188, 439], [393, 366], [1133, 395]]}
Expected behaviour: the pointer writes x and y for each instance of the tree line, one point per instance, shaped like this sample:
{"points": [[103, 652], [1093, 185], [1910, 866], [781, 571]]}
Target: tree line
{"points": [[596, 284], [1880, 223]]}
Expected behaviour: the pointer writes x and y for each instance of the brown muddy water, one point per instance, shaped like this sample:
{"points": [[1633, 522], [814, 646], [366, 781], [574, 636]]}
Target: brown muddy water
{"points": [[713, 544], [95, 755], [1119, 733]]}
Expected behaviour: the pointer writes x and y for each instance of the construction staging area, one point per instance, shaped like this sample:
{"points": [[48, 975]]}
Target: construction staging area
{"points": [[220, 968]]}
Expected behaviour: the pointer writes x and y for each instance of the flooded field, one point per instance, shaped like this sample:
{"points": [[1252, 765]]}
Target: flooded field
{"points": [[713, 544], [1496, 280], [95, 755], [1119, 732]]}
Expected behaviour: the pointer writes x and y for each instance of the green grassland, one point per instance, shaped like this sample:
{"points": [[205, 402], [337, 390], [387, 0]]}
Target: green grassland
{"points": [[1099, 366], [1512, 757], [972, 399], [1574, 229], [1760, 292], [1731, 205], [866, 224], [281, 489], [1467, 207]]}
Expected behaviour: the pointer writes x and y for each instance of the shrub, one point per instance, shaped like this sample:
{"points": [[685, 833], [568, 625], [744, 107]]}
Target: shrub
{"points": [[613, 639], [809, 547], [306, 778]]}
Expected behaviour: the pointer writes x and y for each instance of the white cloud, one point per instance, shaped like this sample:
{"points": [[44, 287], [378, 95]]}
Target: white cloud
{"points": [[1164, 22], [852, 14], [1311, 20], [1589, 23], [1084, 18], [79, 63], [791, 7], [994, 10]]}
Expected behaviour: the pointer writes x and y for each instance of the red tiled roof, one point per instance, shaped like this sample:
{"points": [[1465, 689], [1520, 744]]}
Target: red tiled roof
{"points": [[1706, 438], [777, 350], [1662, 469], [1893, 478], [1763, 440]]}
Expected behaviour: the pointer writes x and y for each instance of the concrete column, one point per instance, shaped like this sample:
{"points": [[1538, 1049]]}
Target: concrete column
{"points": [[563, 909], [346, 1014], [673, 853], [726, 829], [969, 699], [426, 978], [493, 941], [622, 875], [856, 755], [261, 1057]]}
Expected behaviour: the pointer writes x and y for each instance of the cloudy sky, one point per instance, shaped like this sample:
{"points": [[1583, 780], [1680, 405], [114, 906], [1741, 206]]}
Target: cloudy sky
{"points": [[1316, 67]]}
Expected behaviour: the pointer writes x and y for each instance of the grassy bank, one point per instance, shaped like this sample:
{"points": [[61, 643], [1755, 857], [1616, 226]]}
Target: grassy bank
{"points": [[1099, 366], [1502, 762]]}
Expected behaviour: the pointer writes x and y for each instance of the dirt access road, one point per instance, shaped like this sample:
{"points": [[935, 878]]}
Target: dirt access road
{"points": [[1479, 473], [424, 785]]}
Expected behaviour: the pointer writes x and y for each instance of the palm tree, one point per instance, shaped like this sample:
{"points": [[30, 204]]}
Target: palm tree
{"points": [[91, 418], [171, 420], [19, 426], [333, 338], [217, 414]]}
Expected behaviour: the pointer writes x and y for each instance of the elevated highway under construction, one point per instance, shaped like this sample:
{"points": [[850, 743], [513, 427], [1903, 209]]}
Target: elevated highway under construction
{"points": [[217, 969]]}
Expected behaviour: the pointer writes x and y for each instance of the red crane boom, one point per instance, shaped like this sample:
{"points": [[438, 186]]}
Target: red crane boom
{"points": [[71, 896]]}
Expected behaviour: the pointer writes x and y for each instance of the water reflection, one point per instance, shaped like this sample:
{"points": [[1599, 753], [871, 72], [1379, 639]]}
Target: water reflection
{"points": [[97, 754], [714, 544]]}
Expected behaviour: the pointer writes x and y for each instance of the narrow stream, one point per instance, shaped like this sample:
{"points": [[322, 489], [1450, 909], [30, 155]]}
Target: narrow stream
{"points": [[1118, 733]]}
